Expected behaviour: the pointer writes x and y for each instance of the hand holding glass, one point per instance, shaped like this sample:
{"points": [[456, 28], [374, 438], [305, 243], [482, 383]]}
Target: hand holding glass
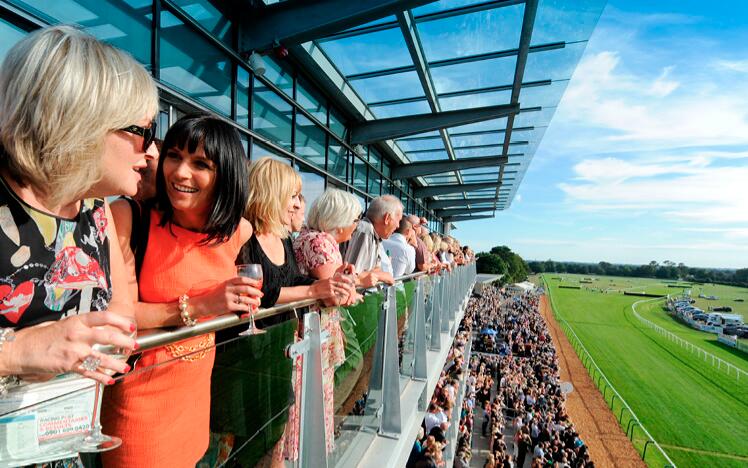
{"points": [[97, 441], [254, 271]]}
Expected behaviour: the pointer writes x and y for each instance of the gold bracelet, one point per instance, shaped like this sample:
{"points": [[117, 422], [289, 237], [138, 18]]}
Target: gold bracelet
{"points": [[183, 304]]}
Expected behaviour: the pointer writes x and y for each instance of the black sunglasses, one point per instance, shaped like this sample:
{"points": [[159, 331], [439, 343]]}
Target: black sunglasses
{"points": [[148, 134]]}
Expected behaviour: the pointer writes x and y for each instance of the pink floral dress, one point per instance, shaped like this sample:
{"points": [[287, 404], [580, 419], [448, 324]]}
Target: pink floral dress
{"points": [[312, 250]]}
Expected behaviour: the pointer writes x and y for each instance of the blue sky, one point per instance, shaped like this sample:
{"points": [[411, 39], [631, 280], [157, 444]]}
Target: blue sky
{"points": [[646, 157]]}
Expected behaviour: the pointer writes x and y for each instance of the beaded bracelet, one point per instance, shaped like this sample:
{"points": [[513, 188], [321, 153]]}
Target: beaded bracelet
{"points": [[184, 313]]}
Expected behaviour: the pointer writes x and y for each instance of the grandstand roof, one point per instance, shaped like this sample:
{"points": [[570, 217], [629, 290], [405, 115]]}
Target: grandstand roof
{"points": [[458, 93]]}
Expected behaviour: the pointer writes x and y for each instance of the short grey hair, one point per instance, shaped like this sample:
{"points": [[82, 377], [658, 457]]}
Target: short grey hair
{"points": [[61, 92], [382, 205], [332, 210]]}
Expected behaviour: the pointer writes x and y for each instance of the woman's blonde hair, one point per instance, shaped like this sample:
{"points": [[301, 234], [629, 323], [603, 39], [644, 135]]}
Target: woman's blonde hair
{"points": [[271, 184], [61, 91], [437, 240], [427, 242], [332, 210]]}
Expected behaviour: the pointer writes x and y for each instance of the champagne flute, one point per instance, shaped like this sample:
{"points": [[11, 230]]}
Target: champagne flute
{"points": [[96, 440], [254, 271]]}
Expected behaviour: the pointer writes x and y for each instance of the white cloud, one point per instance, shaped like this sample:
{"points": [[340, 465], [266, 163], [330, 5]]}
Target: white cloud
{"points": [[639, 110], [690, 192], [733, 65], [662, 86]]}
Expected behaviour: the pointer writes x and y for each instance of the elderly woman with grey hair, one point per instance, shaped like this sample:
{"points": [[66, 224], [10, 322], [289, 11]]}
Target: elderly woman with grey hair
{"points": [[331, 221]]}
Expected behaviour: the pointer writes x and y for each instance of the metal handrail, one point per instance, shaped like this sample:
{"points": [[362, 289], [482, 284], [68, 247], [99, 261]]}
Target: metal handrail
{"points": [[161, 337]]}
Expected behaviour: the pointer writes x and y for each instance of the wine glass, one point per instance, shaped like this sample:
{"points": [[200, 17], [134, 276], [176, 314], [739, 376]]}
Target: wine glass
{"points": [[254, 271], [96, 440]]}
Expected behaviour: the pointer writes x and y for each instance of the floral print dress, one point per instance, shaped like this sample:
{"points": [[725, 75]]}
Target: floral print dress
{"points": [[312, 250]]}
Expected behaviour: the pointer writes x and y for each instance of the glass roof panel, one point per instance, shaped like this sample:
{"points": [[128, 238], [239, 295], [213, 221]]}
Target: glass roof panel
{"points": [[478, 152], [556, 64], [475, 140], [562, 20], [470, 101], [451, 196], [368, 52], [542, 96], [421, 145], [432, 156], [498, 29], [441, 179], [493, 124], [473, 75], [534, 118], [480, 171], [441, 6], [385, 88], [479, 178], [398, 110]]}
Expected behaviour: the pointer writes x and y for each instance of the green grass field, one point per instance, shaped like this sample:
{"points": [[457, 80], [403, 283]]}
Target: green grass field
{"points": [[696, 412]]}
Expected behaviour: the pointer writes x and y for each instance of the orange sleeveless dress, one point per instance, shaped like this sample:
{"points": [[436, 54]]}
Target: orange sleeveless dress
{"points": [[162, 414]]}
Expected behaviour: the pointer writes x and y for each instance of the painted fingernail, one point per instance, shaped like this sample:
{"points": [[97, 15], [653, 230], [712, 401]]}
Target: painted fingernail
{"points": [[127, 368], [133, 327], [137, 346], [110, 382]]}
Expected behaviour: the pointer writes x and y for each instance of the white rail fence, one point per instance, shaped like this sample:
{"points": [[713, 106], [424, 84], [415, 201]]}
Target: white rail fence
{"points": [[709, 358]]}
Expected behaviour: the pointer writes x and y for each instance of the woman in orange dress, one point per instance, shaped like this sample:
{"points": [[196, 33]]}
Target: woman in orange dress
{"points": [[195, 232]]}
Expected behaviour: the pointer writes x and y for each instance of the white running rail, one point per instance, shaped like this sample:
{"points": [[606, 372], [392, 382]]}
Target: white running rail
{"points": [[719, 363]]}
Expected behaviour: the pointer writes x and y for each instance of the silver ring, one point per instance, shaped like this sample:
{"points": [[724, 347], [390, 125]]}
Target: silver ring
{"points": [[90, 363], [238, 299]]}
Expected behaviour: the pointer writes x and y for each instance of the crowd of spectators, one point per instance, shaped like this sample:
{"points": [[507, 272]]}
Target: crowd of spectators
{"points": [[528, 402], [511, 390]]}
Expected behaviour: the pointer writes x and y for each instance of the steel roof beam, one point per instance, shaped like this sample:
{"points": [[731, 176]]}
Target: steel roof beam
{"points": [[396, 127], [466, 92], [528, 23], [460, 134], [454, 219], [417, 169], [462, 211], [296, 21], [441, 204], [415, 48], [433, 190], [464, 10], [456, 61]]}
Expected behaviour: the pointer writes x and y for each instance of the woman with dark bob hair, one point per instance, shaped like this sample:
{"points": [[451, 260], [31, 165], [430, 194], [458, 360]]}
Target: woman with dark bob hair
{"points": [[194, 233]]}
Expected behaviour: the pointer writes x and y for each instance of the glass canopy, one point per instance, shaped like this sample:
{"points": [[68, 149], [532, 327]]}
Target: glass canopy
{"points": [[473, 54]]}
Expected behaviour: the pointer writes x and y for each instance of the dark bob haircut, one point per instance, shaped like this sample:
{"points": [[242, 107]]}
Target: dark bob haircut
{"points": [[222, 145]]}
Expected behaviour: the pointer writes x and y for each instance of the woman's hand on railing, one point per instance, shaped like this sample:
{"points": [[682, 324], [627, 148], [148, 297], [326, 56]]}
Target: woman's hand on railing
{"points": [[334, 290], [238, 295], [58, 347]]}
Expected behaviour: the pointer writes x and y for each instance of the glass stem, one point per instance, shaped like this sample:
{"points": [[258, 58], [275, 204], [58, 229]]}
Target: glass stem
{"points": [[95, 420]]}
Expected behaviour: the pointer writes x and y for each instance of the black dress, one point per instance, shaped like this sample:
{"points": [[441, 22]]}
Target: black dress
{"points": [[274, 277]]}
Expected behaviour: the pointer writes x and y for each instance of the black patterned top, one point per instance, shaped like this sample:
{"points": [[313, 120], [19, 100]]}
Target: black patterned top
{"points": [[51, 267]]}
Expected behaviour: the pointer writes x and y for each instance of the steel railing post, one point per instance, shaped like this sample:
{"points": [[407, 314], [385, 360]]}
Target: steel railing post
{"points": [[312, 446], [420, 367], [436, 312], [391, 423]]}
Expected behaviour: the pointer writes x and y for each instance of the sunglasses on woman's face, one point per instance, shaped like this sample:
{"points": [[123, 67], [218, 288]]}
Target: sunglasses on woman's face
{"points": [[148, 134]]}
